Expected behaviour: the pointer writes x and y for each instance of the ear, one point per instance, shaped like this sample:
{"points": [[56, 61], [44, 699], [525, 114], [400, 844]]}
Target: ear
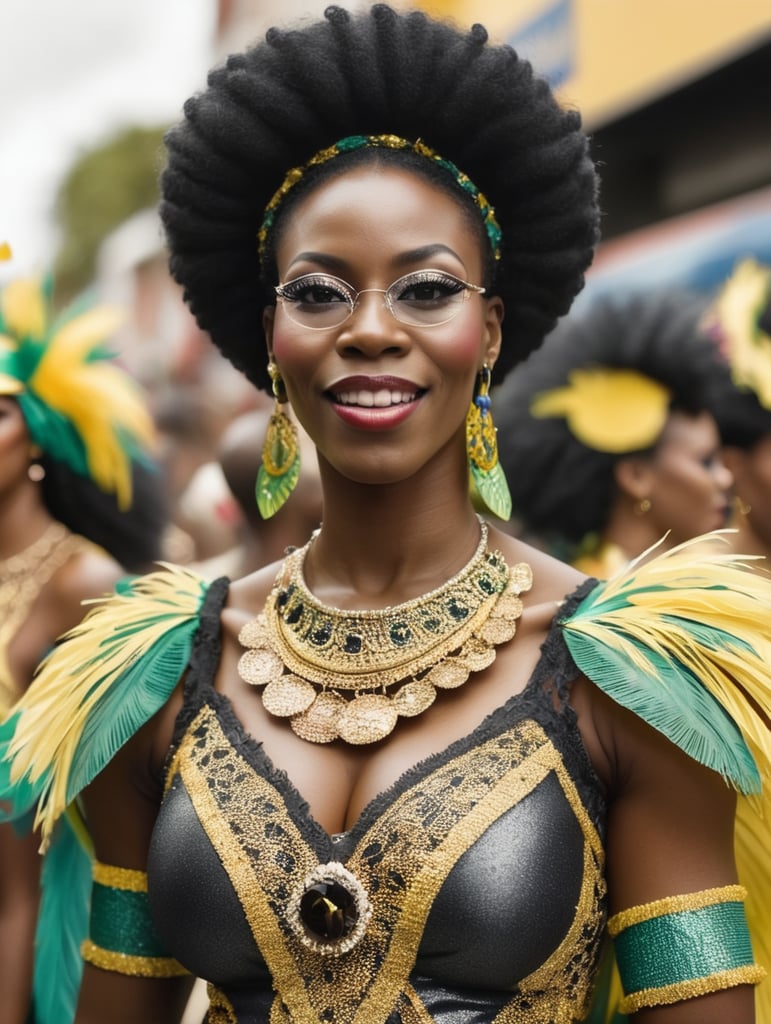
{"points": [[634, 477], [492, 329], [268, 320]]}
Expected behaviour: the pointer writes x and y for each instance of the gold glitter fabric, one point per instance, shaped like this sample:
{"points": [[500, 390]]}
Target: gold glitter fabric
{"points": [[22, 578], [220, 1011], [424, 856]]}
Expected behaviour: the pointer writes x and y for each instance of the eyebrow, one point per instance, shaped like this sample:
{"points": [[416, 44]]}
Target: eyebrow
{"points": [[423, 252]]}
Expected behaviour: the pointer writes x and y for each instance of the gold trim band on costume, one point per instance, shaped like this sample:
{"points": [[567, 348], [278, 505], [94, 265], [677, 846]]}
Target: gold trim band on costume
{"points": [[121, 934], [692, 988], [127, 879], [672, 905], [134, 966]]}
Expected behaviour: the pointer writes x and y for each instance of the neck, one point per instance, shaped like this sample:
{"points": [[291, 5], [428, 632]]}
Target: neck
{"points": [[386, 544], [23, 519], [746, 541], [632, 533]]}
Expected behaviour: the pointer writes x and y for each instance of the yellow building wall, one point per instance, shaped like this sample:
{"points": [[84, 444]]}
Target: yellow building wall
{"points": [[625, 53]]}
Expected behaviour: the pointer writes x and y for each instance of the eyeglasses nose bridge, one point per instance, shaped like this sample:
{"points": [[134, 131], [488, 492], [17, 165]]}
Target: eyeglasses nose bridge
{"points": [[364, 291]]}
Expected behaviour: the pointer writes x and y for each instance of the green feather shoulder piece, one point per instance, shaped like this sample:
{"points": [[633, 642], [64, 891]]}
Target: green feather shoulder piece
{"points": [[103, 680], [682, 640]]}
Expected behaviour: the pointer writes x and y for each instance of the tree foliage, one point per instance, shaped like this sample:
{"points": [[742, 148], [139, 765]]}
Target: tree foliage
{"points": [[104, 187]]}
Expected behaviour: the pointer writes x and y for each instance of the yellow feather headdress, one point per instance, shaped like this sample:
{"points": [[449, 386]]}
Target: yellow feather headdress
{"points": [[734, 320], [608, 409], [79, 406]]}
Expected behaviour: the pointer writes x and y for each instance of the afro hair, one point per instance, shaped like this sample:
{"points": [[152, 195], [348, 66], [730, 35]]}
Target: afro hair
{"points": [[380, 71], [558, 484]]}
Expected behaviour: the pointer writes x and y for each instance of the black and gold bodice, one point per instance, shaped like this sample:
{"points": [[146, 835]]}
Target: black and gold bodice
{"points": [[482, 867]]}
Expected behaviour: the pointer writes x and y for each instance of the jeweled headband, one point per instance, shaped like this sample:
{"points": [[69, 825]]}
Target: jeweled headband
{"points": [[353, 142]]}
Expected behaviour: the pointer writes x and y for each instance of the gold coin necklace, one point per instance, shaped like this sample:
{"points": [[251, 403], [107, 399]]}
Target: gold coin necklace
{"points": [[329, 671]]}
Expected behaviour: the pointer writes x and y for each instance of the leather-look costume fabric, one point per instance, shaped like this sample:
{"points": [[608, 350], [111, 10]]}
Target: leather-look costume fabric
{"points": [[483, 865]]}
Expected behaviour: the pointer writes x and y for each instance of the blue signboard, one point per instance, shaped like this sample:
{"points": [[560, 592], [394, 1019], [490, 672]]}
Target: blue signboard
{"points": [[548, 42]]}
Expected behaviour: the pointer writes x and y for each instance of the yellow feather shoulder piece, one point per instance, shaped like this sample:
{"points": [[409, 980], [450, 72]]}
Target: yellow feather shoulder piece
{"points": [[682, 640]]}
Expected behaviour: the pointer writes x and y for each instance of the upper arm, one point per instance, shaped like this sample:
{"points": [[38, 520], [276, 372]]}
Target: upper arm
{"points": [[670, 833], [670, 827], [121, 805]]}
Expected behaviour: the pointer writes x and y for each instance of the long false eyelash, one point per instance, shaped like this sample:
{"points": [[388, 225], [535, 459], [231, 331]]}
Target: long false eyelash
{"points": [[433, 277], [437, 277], [291, 289]]}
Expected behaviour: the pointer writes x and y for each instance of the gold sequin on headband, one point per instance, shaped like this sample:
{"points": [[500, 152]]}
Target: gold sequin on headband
{"points": [[354, 142]]}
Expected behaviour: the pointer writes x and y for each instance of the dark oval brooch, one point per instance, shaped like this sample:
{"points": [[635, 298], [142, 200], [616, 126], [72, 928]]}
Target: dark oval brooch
{"points": [[329, 913]]}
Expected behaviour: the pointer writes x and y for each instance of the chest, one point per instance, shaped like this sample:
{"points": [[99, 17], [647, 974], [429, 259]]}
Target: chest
{"points": [[338, 780], [474, 865]]}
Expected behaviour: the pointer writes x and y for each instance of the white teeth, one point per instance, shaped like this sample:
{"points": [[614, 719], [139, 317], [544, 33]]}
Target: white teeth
{"points": [[382, 399]]}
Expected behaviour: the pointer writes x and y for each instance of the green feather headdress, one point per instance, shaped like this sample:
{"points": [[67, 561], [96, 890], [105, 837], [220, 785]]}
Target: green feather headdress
{"points": [[79, 407]]}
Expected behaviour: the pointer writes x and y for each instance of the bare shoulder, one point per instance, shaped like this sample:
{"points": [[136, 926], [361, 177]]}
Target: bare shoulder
{"points": [[89, 573], [247, 596]]}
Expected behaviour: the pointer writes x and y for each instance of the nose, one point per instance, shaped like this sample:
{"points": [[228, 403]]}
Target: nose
{"points": [[371, 329], [723, 476]]}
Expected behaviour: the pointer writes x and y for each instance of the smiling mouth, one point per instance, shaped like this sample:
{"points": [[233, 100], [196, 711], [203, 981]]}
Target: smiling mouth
{"points": [[383, 398]]}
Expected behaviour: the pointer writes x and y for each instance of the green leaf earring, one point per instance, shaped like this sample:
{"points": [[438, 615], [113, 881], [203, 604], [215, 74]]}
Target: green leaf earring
{"points": [[280, 469], [487, 481]]}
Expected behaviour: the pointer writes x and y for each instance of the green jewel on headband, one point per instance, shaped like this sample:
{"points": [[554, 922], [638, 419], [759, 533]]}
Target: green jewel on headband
{"points": [[353, 142]]}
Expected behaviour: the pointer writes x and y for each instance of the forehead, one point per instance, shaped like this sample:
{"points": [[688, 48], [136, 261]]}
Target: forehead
{"points": [[689, 431], [11, 413], [379, 212]]}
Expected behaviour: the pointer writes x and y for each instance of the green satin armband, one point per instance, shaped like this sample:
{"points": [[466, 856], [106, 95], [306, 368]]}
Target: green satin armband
{"points": [[122, 936], [683, 946]]}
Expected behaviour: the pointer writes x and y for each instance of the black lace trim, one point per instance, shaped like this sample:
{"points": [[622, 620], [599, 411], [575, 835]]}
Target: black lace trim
{"points": [[204, 659], [554, 675]]}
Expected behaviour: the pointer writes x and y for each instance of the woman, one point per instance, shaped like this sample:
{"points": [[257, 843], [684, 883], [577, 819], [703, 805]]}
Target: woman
{"points": [[328, 819], [739, 320], [610, 442], [70, 430]]}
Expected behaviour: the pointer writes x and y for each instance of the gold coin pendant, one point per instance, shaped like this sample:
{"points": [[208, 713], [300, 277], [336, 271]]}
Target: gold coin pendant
{"points": [[367, 719]]}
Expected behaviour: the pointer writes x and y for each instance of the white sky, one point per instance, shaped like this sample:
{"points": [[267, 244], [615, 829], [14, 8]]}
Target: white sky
{"points": [[72, 72]]}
